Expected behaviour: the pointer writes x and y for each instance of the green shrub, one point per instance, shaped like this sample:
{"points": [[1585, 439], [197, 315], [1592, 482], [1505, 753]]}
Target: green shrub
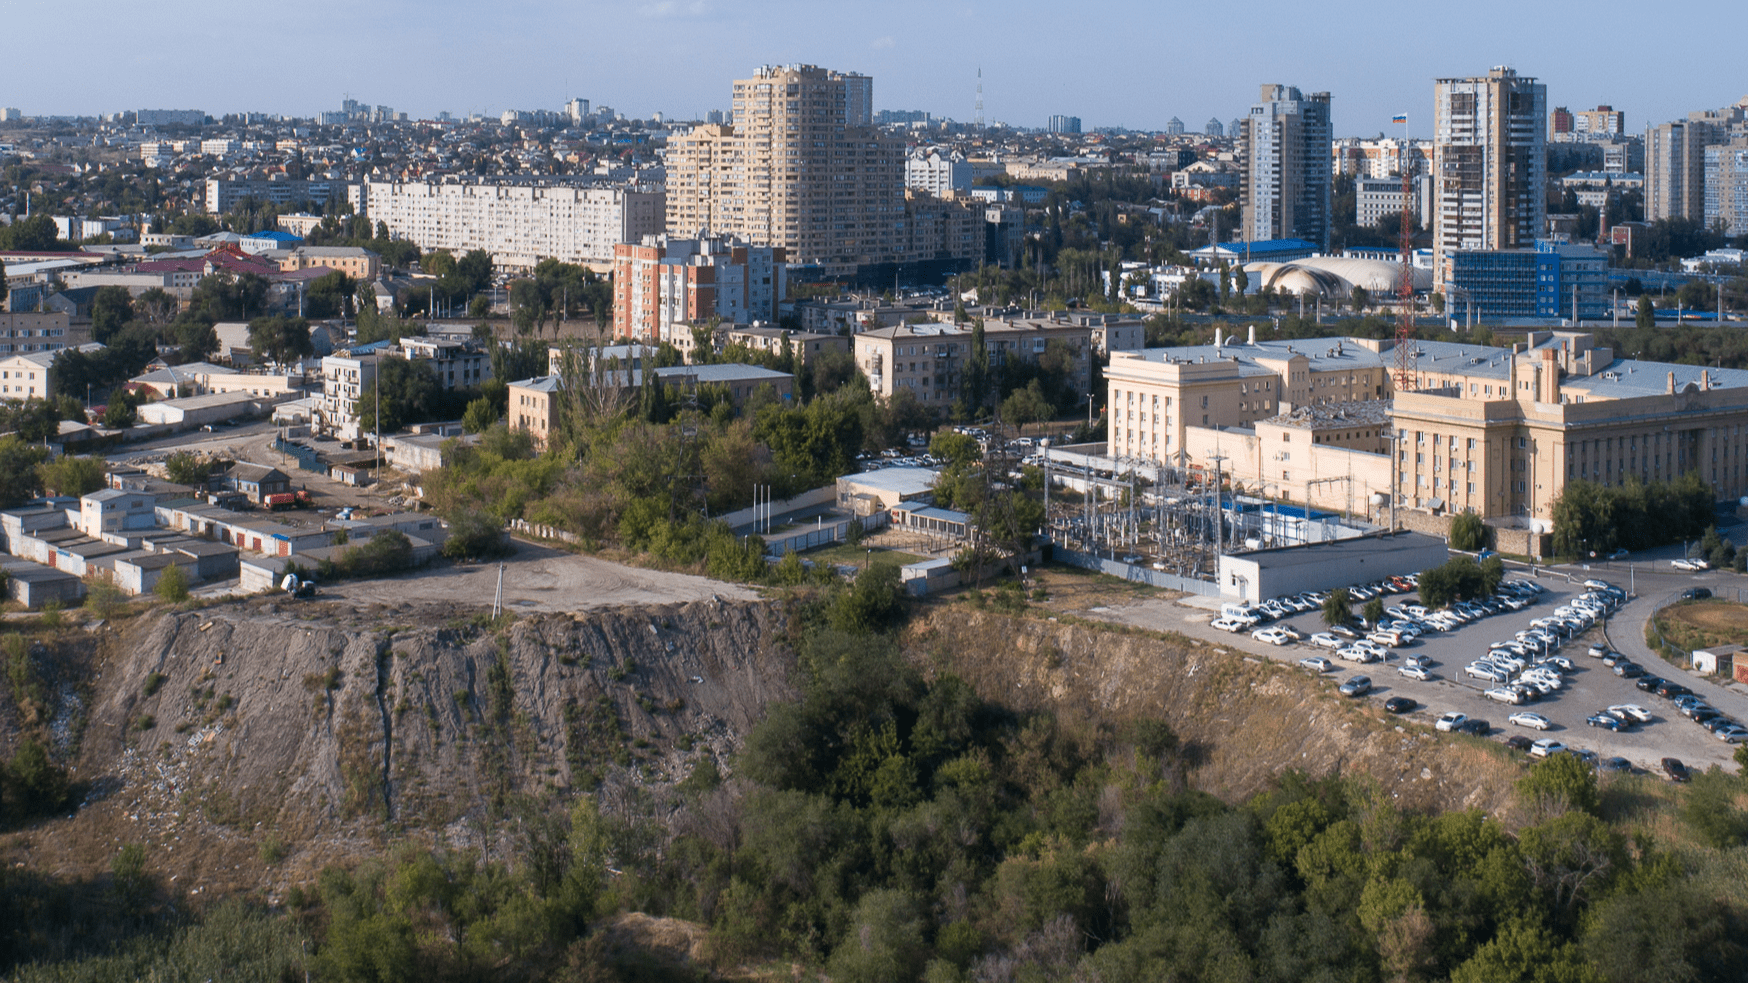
{"points": [[172, 584]]}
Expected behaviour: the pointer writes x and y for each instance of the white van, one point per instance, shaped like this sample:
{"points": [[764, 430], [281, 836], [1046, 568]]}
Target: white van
{"points": [[1239, 610]]}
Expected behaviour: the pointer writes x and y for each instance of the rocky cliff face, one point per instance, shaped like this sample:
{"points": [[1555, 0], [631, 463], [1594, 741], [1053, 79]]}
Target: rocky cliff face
{"points": [[332, 731], [249, 744], [1243, 721]]}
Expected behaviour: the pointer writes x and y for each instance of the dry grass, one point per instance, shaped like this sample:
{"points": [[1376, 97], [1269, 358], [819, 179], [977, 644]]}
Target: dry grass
{"points": [[1702, 624]]}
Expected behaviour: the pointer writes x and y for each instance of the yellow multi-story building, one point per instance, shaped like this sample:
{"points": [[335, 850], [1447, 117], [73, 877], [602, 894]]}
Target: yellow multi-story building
{"points": [[1495, 431]]}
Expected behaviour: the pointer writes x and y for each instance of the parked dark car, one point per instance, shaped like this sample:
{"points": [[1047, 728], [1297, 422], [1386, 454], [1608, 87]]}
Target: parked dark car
{"points": [[1672, 690], [1629, 670], [1676, 771], [1695, 594], [1476, 726], [1649, 684], [1518, 742], [1399, 704]]}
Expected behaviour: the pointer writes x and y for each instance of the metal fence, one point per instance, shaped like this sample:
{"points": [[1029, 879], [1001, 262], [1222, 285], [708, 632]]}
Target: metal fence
{"points": [[1674, 597], [1139, 574], [779, 543]]}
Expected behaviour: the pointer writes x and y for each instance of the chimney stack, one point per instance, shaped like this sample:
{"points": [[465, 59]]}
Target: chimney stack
{"points": [[1253, 334], [1671, 383], [1216, 336]]}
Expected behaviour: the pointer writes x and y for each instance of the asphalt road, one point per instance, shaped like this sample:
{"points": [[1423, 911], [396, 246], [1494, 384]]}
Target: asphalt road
{"points": [[1589, 688]]}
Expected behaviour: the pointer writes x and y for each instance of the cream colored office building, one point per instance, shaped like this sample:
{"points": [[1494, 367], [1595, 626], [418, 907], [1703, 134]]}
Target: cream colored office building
{"points": [[1487, 430]]}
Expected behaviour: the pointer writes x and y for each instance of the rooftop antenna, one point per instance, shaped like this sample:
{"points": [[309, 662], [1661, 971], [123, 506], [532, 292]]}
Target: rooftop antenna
{"points": [[1405, 347]]}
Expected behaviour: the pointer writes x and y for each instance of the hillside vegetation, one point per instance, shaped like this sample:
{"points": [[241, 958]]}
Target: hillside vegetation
{"points": [[822, 783]]}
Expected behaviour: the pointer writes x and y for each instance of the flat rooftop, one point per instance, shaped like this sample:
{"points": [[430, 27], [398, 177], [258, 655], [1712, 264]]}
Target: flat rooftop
{"points": [[1313, 554]]}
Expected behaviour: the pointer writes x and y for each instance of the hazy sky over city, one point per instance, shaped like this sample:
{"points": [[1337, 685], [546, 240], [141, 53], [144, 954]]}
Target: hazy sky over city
{"points": [[1110, 62]]}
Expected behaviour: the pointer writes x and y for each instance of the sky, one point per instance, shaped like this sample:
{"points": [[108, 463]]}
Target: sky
{"points": [[1110, 62]]}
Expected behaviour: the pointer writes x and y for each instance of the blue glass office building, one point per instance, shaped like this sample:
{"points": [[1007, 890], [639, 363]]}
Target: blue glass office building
{"points": [[1543, 282]]}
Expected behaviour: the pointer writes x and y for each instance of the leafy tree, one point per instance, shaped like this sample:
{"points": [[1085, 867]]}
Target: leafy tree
{"points": [[1338, 607], [873, 603], [69, 475], [1709, 809], [227, 296], [1559, 782], [188, 468], [1468, 532], [18, 470], [111, 307], [280, 339], [1362, 298], [32, 235], [884, 942], [330, 295], [121, 410], [955, 448], [476, 535], [480, 416], [172, 584], [1646, 316], [1027, 405], [1524, 952], [476, 266], [409, 394], [1373, 611]]}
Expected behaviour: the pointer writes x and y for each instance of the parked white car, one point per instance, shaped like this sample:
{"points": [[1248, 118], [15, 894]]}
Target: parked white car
{"points": [[1504, 694], [1273, 636], [1414, 672], [1534, 721], [1325, 640], [1633, 710], [1450, 721], [1227, 624]]}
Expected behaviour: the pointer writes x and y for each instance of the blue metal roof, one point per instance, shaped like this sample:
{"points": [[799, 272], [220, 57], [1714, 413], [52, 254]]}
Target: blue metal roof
{"points": [[1264, 247], [274, 234]]}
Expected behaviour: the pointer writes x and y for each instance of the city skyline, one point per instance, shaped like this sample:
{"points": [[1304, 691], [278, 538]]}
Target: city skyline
{"points": [[438, 57]]}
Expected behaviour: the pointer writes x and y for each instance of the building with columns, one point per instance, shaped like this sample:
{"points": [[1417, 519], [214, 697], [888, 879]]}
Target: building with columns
{"points": [[1496, 431]]}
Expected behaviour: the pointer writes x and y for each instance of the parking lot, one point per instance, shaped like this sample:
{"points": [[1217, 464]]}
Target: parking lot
{"points": [[1589, 688]]}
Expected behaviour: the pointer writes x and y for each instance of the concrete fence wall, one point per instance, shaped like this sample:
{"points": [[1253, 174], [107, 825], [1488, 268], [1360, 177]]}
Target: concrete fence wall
{"points": [[1139, 574], [824, 495]]}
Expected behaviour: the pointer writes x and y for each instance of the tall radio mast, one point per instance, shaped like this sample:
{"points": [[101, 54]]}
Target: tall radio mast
{"points": [[1405, 347]]}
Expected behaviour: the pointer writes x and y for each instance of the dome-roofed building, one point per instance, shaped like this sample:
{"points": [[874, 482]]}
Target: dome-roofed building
{"points": [[1332, 276]]}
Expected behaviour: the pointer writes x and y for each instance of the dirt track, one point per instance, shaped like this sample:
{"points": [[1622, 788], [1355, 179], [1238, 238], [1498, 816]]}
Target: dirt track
{"points": [[538, 578]]}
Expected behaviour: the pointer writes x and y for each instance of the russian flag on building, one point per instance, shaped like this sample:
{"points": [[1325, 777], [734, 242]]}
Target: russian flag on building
{"points": [[1399, 118]]}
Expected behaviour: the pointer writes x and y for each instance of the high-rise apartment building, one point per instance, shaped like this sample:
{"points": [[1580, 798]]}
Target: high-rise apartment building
{"points": [[1489, 164], [1064, 124], [1601, 121], [858, 100], [792, 171], [1675, 168], [1285, 145], [1726, 186]]}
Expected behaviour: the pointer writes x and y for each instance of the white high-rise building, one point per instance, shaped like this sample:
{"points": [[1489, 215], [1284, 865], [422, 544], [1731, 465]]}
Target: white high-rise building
{"points": [[1286, 177], [937, 173], [519, 221]]}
